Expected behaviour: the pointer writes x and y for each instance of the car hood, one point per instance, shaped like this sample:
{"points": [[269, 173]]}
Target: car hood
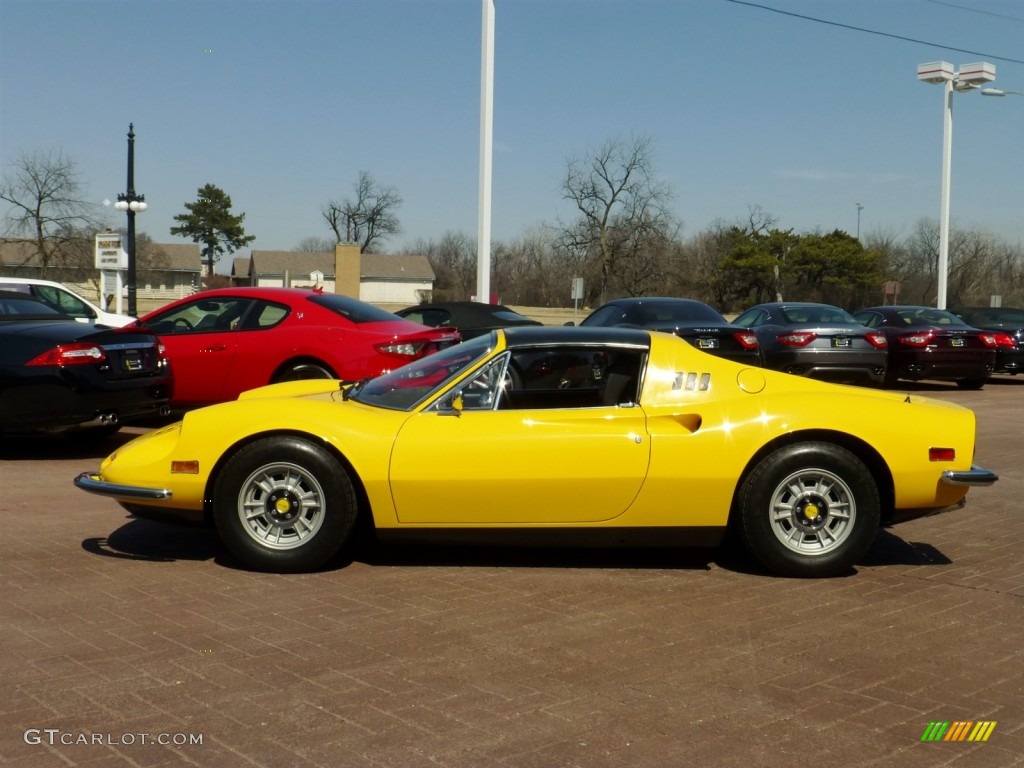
{"points": [[301, 388]]}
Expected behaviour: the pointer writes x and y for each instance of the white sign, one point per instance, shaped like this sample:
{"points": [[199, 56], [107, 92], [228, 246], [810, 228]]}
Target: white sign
{"points": [[577, 288], [109, 253]]}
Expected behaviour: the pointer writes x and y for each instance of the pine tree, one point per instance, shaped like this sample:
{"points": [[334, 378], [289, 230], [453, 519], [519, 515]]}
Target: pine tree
{"points": [[209, 221]]}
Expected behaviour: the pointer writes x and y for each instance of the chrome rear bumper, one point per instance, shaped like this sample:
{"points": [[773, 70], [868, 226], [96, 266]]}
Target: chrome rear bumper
{"points": [[974, 476]]}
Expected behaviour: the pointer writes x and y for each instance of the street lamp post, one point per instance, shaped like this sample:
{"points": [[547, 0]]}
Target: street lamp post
{"points": [[859, 209], [132, 203], [970, 77]]}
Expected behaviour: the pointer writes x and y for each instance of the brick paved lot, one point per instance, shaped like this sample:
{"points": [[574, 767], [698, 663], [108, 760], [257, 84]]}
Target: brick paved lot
{"points": [[518, 659]]}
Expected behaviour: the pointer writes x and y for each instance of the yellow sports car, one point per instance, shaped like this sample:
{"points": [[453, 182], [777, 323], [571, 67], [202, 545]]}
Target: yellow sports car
{"points": [[590, 435]]}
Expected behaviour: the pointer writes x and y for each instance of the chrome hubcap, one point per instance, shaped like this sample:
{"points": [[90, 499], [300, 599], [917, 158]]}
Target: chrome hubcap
{"points": [[812, 511], [281, 506]]}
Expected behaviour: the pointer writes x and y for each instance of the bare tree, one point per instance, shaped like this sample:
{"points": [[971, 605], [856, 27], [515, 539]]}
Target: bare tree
{"points": [[370, 218], [47, 208], [622, 208], [453, 260], [315, 245]]}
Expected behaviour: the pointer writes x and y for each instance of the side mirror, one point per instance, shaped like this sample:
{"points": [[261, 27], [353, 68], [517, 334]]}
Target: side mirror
{"points": [[570, 323], [451, 406]]}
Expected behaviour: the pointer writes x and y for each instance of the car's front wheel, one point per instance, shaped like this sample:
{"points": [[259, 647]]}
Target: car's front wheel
{"points": [[284, 505], [809, 510]]}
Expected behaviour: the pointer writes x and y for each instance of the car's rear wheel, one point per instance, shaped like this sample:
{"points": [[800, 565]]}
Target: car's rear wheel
{"points": [[300, 371], [809, 510], [284, 504]]}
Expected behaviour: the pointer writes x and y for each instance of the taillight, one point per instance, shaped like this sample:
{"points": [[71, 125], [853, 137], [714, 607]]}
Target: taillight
{"points": [[75, 353], [941, 454], [409, 349], [917, 339], [877, 340], [997, 340], [746, 340], [798, 338]]}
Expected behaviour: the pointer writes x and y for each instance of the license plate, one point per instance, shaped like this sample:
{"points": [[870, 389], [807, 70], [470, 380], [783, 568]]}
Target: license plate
{"points": [[707, 343], [132, 361], [840, 341], [956, 342]]}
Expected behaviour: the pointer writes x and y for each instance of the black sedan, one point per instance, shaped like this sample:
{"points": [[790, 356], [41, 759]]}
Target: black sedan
{"points": [[472, 318], [696, 322], [929, 343], [58, 375], [1008, 325], [817, 340]]}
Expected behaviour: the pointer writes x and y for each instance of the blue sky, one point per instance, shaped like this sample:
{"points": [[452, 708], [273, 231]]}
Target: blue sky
{"points": [[282, 103]]}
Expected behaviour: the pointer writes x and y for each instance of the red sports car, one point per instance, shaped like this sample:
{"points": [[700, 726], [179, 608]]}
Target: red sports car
{"points": [[224, 341]]}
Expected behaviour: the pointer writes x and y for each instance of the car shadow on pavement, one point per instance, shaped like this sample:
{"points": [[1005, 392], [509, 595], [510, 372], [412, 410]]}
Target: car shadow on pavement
{"points": [[157, 542], [633, 558], [151, 541], [890, 549]]}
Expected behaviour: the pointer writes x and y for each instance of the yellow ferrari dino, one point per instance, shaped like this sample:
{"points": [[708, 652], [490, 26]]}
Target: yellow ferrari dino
{"points": [[574, 434]]}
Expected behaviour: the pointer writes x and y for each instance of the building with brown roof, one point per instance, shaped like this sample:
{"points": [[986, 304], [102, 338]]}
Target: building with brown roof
{"points": [[383, 278], [164, 271]]}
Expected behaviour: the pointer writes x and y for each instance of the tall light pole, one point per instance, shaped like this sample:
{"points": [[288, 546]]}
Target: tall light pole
{"points": [[859, 209], [483, 245], [970, 77], [132, 203]]}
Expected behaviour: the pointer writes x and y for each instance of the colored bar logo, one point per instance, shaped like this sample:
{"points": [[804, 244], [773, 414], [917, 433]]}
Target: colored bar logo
{"points": [[959, 730]]}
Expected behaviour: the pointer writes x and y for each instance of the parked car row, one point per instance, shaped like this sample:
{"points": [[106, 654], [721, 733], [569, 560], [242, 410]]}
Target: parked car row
{"points": [[876, 345]]}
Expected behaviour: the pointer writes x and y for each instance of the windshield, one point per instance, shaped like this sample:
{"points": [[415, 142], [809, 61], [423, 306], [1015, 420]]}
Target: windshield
{"points": [[408, 386]]}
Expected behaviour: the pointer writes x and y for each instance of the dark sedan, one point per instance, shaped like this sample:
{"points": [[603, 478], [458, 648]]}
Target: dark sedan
{"points": [[58, 375], [694, 321], [929, 343], [471, 318], [817, 340], [1008, 324]]}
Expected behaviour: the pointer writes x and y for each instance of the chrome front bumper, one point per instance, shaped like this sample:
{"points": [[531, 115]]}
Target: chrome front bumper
{"points": [[974, 476], [90, 481]]}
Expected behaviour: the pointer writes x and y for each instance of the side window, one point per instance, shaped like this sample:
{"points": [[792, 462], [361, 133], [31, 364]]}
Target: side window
{"points": [[750, 319], [485, 391], [583, 377], [265, 315], [62, 301], [202, 316], [604, 316]]}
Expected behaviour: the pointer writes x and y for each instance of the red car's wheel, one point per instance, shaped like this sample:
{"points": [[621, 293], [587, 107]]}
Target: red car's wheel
{"points": [[284, 504], [299, 371], [809, 510]]}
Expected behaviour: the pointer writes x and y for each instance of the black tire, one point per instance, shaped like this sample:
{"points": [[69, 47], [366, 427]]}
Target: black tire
{"points": [[971, 384], [301, 371], [777, 499], [300, 501]]}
